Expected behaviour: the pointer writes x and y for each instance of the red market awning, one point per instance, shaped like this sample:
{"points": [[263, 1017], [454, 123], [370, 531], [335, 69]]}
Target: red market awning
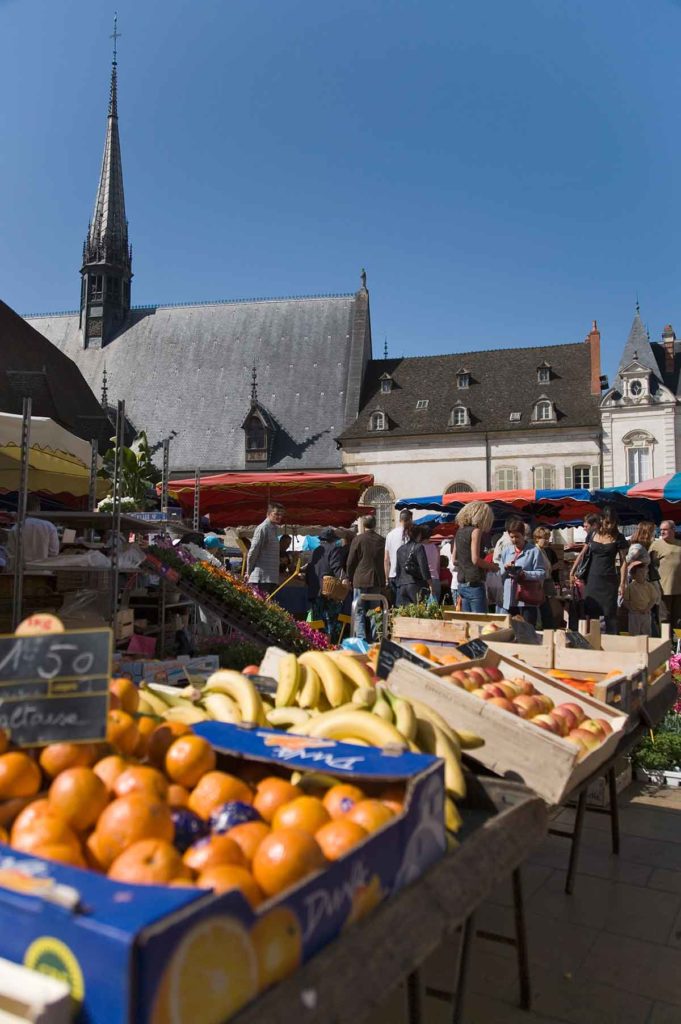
{"points": [[310, 499]]}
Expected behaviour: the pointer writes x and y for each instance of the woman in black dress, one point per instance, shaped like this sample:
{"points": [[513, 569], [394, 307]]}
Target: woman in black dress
{"points": [[605, 544]]}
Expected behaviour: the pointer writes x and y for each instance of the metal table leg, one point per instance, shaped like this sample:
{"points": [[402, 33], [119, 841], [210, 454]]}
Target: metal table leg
{"points": [[467, 936], [521, 941], [614, 811], [576, 842], [414, 998]]}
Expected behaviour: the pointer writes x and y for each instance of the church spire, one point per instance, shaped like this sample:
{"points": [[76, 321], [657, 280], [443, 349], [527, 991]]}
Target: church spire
{"points": [[107, 257]]}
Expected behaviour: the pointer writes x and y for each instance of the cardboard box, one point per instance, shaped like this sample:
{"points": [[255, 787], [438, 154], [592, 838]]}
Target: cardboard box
{"points": [[129, 952], [125, 623], [514, 748], [170, 672]]}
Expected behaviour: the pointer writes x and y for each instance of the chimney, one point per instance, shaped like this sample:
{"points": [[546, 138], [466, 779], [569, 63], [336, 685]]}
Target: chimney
{"points": [[668, 340], [593, 339]]}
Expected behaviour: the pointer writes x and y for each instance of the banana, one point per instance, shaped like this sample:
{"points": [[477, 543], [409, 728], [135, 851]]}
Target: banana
{"points": [[311, 687], [453, 820], [241, 690], [357, 724], [172, 695], [432, 739], [288, 681], [156, 703], [222, 708], [405, 718], [330, 675], [382, 707], [189, 715], [365, 695], [353, 668], [313, 780], [145, 707], [282, 718], [422, 710], [469, 740]]}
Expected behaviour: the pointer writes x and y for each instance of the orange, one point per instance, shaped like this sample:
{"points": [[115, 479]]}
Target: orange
{"points": [[128, 819], [284, 857], [370, 814], [214, 850], [161, 738], [148, 862], [278, 942], [109, 768], [339, 799], [63, 852], [393, 797], [339, 836], [177, 796], [145, 726], [78, 796], [188, 758], [123, 694], [224, 877], [93, 853], [305, 812], [58, 756], [19, 775], [140, 778], [215, 789], [421, 649], [27, 818], [47, 830], [249, 836], [184, 883], [4, 835], [271, 794], [121, 731]]}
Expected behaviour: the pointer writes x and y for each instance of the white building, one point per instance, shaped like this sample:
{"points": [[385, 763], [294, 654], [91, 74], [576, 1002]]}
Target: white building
{"points": [[496, 420], [641, 425]]}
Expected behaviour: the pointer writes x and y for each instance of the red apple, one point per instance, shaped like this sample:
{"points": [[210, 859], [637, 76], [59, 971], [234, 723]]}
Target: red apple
{"points": [[502, 702], [588, 738], [546, 722], [482, 694], [527, 705], [457, 682], [526, 687], [604, 724], [460, 678], [494, 689], [576, 711], [477, 676], [570, 717], [493, 673], [578, 742], [591, 725], [560, 720]]}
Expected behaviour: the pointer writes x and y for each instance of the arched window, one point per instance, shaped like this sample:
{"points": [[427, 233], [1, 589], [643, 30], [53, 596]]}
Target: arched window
{"points": [[506, 478], [544, 477], [543, 410], [255, 434], [383, 500], [639, 446], [377, 421], [458, 417], [459, 488]]}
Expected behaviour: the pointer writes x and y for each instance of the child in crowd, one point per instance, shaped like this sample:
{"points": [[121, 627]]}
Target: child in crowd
{"points": [[639, 596], [446, 590]]}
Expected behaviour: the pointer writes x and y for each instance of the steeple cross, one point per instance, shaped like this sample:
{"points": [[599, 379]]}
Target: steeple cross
{"points": [[115, 35]]}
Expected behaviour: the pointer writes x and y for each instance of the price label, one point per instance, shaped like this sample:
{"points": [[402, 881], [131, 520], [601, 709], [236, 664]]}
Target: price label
{"points": [[473, 648], [54, 688], [524, 632], [389, 652], [574, 639]]}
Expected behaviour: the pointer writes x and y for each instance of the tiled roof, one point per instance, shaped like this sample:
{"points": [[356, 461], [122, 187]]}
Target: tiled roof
{"points": [[188, 369], [502, 381]]}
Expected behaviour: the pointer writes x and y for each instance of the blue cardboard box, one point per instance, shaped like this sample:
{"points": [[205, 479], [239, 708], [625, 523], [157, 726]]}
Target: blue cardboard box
{"points": [[136, 954]]}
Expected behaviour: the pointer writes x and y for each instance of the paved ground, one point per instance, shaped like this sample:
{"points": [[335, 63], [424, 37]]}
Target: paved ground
{"points": [[608, 954]]}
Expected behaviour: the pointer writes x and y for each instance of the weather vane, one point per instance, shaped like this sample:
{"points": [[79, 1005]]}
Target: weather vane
{"points": [[115, 35]]}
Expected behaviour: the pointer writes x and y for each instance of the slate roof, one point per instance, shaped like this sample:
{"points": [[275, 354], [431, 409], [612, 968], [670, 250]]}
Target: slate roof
{"points": [[651, 354], [31, 367], [188, 369], [502, 381]]}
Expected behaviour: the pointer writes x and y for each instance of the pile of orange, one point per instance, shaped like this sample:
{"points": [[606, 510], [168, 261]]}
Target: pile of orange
{"points": [[110, 807]]}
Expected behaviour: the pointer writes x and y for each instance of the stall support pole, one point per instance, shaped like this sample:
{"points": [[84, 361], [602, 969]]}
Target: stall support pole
{"points": [[116, 516], [197, 499], [614, 811], [94, 454], [414, 1001], [22, 496], [164, 478]]}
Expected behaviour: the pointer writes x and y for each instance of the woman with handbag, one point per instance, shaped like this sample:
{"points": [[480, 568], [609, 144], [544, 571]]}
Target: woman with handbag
{"points": [[600, 575], [413, 579], [474, 520], [327, 564], [523, 572]]}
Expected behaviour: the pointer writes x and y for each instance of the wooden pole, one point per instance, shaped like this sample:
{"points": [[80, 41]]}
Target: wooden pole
{"points": [[22, 499]]}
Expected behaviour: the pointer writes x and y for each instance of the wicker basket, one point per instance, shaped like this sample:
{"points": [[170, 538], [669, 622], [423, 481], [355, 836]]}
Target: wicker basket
{"points": [[335, 588]]}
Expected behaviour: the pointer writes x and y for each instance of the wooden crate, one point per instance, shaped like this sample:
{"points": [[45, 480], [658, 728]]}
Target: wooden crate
{"points": [[539, 655], [456, 628], [614, 651], [514, 748]]}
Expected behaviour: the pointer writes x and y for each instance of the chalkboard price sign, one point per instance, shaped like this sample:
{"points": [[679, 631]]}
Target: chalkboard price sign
{"points": [[473, 649], [54, 688], [574, 639], [389, 652]]}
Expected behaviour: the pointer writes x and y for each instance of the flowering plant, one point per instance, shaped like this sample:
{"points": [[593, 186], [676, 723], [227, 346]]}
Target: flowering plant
{"points": [[269, 619], [675, 669]]}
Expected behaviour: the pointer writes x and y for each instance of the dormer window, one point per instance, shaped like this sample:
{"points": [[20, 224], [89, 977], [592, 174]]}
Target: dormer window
{"points": [[386, 383], [544, 373], [459, 417], [544, 411], [463, 379], [422, 404], [377, 421]]}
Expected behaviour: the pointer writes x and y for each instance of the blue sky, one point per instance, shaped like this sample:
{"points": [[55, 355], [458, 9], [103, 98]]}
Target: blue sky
{"points": [[505, 172]]}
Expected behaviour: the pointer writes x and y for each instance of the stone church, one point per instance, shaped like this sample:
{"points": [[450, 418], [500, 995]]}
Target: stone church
{"points": [[237, 385]]}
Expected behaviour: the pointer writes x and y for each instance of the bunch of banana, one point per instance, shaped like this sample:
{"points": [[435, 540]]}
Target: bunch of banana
{"points": [[226, 697]]}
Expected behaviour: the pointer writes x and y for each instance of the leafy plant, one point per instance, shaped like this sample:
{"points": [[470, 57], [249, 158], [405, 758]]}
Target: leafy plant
{"points": [[234, 655], [139, 475], [421, 610], [661, 752]]}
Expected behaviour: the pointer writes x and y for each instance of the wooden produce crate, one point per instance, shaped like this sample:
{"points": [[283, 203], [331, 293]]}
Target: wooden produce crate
{"points": [[514, 748], [614, 651], [539, 655], [455, 628]]}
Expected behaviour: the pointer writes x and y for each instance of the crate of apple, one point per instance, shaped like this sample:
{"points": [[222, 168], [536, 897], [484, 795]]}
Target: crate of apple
{"points": [[520, 697]]}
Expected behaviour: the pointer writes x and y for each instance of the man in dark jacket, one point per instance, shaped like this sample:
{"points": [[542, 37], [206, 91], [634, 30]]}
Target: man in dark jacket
{"points": [[327, 560], [366, 568]]}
